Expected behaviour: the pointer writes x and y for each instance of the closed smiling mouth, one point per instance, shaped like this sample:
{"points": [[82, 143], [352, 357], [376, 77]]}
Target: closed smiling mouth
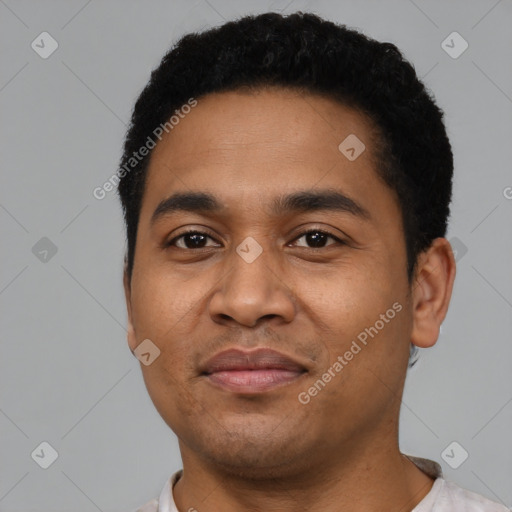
{"points": [[256, 371]]}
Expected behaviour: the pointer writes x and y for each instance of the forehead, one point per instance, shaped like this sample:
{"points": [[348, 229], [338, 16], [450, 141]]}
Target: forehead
{"points": [[251, 144]]}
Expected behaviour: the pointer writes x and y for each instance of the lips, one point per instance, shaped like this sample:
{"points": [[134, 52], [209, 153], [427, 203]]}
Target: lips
{"points": [[251, 372]]}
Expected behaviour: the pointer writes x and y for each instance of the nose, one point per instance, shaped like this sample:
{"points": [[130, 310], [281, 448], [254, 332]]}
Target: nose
{"points": [[252, 291]]}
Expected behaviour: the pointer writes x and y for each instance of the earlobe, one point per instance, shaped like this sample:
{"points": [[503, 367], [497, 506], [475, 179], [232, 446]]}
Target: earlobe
{"points": [[130, 331], [431, 292]]}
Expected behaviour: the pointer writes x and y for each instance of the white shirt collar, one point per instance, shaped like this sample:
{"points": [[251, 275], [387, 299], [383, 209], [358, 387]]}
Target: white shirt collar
{"points": [[166, 499]]}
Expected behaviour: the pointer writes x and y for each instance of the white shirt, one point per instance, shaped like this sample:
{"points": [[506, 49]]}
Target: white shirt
{"points": [[444, 496]]}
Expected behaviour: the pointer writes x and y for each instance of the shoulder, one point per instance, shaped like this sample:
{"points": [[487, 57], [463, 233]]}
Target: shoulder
{"points": [[454, 498], [150, 506], [166, 500]]}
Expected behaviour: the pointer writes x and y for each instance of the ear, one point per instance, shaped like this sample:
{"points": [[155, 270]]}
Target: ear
{"points": [[432, 291], [130, 332]]}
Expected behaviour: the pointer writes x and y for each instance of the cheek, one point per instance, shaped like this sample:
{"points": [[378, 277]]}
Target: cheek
{"points": [[167, 310], [364, 319], [163, 303], [348, 299]]}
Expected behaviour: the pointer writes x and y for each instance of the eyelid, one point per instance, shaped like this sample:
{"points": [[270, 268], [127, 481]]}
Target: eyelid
{"points": [[300, 234], [337, 239], [301, 231], [199, 231]]}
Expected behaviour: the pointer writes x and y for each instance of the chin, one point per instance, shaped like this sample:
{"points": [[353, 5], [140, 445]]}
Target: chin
{"points": [[260, 467], [258, 456]]}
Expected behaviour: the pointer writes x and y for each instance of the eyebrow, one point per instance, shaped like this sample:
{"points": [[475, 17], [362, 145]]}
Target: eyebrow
{"points": [[296, 202]]}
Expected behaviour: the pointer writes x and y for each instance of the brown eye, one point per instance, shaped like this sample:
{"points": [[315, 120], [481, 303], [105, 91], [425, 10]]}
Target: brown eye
{"points": [[190, 240], [316, 239]]}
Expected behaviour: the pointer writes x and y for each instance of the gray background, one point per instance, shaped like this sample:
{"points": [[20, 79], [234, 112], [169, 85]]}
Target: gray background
{"points": [[66, 374]]}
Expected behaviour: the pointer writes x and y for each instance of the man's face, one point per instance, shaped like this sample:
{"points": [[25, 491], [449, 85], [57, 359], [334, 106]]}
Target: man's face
{"points": [[308, 297]]}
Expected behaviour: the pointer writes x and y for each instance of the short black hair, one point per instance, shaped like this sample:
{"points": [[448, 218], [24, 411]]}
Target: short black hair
{"points": [[305, 52]]}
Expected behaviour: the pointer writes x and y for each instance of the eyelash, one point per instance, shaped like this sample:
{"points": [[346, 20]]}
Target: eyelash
{"points": [[300, 235]]}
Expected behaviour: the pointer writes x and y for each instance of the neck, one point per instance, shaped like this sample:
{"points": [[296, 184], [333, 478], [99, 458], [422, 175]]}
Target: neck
{"points": [[367, 476]]}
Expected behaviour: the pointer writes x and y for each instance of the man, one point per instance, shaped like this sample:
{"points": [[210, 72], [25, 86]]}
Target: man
{"points": [[286, 186]]}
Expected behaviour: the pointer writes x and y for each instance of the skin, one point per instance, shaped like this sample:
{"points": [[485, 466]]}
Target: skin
{"points": [[269, 451]]}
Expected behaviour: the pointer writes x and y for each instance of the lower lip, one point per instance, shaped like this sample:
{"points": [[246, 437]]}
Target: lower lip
{"points": [[253, 381]]}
